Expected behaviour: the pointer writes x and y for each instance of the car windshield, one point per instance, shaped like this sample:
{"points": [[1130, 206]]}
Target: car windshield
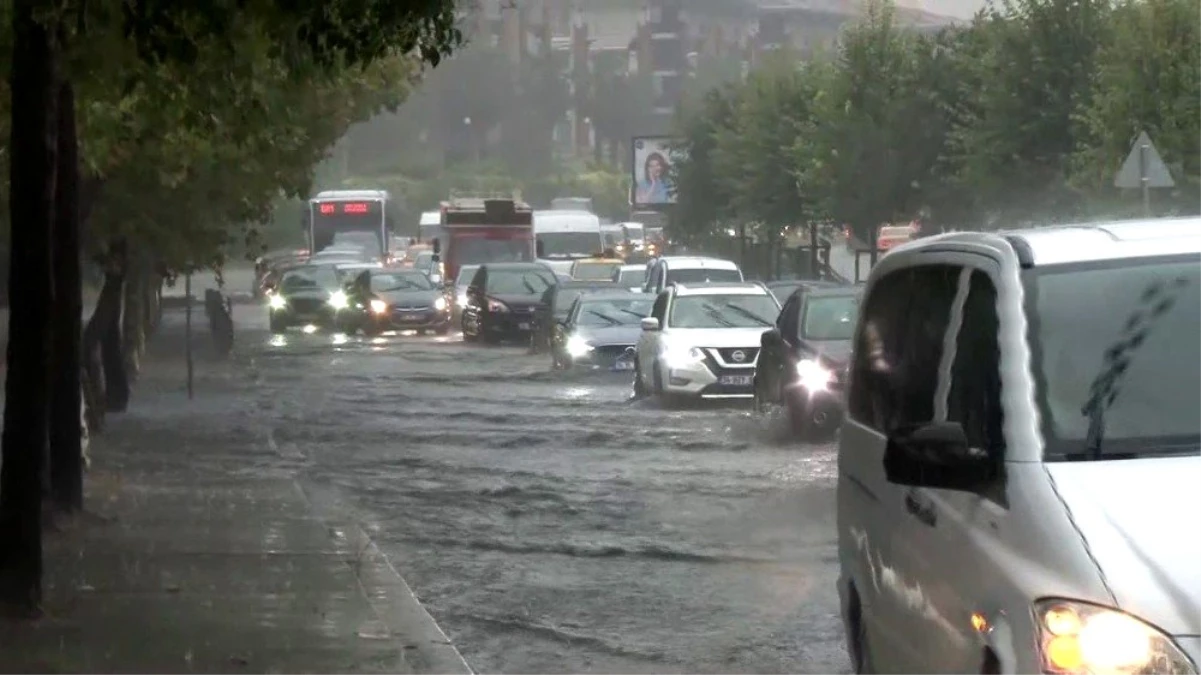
{"points": [[519, 282], [1145, 314], [309, 279], [632, 277], [594, 271], [697, 275], [830, 317], [465, 274], [613, 311], [570, 243], [424, 261], [564, 298], [390, 282], [723, 311]]}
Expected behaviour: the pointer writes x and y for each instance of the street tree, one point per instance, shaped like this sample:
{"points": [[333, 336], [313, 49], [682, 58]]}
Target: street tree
{"points": [[1020, 126], [703, 200], [300, 40], [1146, 79]]}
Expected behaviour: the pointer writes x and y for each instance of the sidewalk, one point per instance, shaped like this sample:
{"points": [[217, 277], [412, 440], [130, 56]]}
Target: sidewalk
{"points": [[196, 556]]}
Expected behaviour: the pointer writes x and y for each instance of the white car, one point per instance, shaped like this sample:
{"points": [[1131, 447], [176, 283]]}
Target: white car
{"points": [[1021, 457], [632, 277], [703, 341], [667, 270]]}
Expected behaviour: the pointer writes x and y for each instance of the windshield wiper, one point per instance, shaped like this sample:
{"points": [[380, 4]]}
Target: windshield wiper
{"points": [[715, 314], [748, 314], [1104, 388], [606, 317]]}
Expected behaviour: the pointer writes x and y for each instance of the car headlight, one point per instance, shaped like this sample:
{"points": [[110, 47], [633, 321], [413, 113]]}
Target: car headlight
{"points": [[1077, 637], [578, 346], [813, 376], [338, 300], [276, 302], [379, 306], [682, 357], [497, 306], [440, 304]]}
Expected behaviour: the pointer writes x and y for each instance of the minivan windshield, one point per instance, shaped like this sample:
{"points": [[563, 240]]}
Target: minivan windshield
{"points": [[724, 311], [1087, 317]]}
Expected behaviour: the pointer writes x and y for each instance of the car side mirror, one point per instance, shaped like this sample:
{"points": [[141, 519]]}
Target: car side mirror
{"points": [[649, 323], [937, 455]]}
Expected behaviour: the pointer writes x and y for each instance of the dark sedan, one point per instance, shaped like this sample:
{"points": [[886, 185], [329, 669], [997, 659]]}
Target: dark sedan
{"points": [[384, 299], [804, 358], [555, 305], [307, 295], [601, 330], [502, 300]]}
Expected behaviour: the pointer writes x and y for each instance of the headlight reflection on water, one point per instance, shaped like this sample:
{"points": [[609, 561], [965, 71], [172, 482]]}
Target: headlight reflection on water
{"points": [[278, 341], [339, 338]]}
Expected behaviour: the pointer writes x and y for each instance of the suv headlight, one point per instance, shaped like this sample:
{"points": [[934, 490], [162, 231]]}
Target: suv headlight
{"points": [[578, 346], [1076, 637], [439, 304], [379, 306], [338, 300], [276, 302], [813, 376], [682, 357]]}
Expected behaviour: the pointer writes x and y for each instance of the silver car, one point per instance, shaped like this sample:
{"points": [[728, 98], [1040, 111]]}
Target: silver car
{"points": [[1020, 468]]}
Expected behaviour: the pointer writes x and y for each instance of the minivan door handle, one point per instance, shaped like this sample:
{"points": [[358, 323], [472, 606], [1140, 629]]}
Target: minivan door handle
{"points": [[921, 509]]}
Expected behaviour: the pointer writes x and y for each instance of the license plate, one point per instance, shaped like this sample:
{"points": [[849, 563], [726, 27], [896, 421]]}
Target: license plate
{"points": [[737, 380], [623, 365], [523, 326], [407, 316]]}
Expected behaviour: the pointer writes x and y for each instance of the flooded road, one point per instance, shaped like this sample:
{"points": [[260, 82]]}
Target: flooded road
{"points": [[552, 525]]}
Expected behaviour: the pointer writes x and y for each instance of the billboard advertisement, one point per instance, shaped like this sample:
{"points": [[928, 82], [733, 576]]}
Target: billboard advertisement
{"points": [[650, 171]]}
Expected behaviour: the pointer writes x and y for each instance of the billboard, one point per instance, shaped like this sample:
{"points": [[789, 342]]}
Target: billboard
{"points": [[650, 171]]}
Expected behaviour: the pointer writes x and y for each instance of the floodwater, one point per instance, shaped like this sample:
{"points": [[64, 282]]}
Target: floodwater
{"points": [[549, 523]]}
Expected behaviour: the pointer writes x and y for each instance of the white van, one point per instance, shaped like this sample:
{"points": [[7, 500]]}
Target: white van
{"points": [[564, 236], [1019, 470], [689, 270]]}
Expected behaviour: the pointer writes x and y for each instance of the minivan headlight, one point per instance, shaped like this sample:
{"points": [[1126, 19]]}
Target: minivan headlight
{"points": [[1077, 637]]}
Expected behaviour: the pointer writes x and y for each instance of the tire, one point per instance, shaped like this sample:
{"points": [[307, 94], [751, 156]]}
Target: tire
{"points": [[371, 330], [442, 330], [639, 388], [759, 402], [468, 337], [277, 326], [858, 643]]}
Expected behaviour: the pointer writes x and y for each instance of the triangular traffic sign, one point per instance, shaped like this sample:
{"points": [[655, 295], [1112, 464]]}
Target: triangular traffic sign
{"points": [[1143, 163]]}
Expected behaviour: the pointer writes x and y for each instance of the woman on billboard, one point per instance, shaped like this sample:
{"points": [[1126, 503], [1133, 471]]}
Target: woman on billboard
{"points": [[653, 186]]}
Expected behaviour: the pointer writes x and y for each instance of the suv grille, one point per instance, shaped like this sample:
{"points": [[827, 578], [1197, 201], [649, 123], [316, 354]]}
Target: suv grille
{"points": [[748, 355], [306, 305]]}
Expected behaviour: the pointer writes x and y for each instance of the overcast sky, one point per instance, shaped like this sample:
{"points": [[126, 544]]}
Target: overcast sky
{"points": [[958, 8]]}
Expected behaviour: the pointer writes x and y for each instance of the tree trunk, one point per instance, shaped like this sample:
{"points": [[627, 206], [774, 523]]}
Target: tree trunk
{"points": [[66, 460], [112, 361], [132, 339], [107, 311], [102, 336], [32, 178]]}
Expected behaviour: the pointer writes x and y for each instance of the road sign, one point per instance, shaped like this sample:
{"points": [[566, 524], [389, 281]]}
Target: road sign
{"points": [[1143, 168]]}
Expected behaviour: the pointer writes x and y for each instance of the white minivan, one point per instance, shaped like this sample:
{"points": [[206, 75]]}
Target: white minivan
{"points": [[1019, 479]]}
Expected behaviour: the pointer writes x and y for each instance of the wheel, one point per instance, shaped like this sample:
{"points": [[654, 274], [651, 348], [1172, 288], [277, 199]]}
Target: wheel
{"points": [[442, 330], [277, 325], [639, 388], [371, 329], [858, 645], [759, 401], [468, 337]]}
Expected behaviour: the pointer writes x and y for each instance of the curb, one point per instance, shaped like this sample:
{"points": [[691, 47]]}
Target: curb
{"points": [[427, 649]]}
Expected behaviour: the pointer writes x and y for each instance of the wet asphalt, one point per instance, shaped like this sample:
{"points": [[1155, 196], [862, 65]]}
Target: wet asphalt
{"points": [[548, 522]]}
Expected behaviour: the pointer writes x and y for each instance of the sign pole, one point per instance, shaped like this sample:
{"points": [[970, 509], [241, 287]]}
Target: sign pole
{"points": [[187, 292], [1144, 179]]}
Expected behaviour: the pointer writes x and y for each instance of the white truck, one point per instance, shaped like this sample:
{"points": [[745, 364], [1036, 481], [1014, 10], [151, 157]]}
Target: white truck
{"points": [[565, 236]]}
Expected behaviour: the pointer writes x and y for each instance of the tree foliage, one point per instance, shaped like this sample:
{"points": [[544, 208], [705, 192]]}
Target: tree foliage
{"points": [[1023, 114]]}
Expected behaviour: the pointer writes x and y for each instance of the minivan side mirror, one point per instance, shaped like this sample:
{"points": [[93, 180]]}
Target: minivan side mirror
{"points": [[937, 455], [649, 323]]}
